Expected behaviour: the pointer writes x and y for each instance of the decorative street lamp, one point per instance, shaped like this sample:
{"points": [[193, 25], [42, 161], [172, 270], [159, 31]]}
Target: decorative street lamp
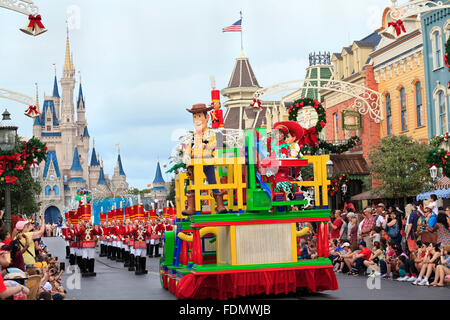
{"points": [[34, 169], [330, 169], [344, 189], [433, 172], [8, 133]]}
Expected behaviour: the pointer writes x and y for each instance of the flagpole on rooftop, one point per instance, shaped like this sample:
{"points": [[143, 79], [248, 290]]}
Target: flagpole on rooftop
{"points": [[242, 43]]}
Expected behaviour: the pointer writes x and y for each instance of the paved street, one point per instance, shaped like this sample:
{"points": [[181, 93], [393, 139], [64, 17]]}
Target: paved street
{"points": [[113, 282]]}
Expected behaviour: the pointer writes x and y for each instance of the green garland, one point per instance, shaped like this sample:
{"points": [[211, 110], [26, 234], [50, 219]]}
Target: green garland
{"points": [[331, 148]]}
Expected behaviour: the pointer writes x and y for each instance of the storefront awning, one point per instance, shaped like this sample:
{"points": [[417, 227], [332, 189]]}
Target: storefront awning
{"points": [[353, 164], [367, 195], [440, 193]]}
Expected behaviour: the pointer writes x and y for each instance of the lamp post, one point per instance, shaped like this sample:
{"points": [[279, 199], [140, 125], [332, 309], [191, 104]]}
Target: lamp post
{"points": [[330, 169], [344, 189], [8, 133], [433, 172], [34, 170]]}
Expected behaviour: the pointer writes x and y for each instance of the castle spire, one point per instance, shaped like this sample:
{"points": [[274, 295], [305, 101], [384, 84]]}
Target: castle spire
{"points": [[68, 63], [37, 97], [55, 88]]}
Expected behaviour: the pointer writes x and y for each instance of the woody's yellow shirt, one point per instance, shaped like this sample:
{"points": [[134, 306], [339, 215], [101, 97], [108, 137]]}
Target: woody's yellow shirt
{"points": [[196, 147]]}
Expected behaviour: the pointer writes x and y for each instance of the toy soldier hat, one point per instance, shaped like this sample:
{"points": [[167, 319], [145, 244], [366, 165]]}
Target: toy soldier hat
{"points": [[293, 127], [199, 108]]}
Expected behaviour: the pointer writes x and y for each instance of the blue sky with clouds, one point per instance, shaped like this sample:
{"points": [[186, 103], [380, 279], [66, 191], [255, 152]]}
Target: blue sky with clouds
{"points": [[143, 62]]}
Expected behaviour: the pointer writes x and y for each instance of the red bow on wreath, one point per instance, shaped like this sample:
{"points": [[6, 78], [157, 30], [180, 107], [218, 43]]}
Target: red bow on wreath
{"points": [[447, 63], [257, 103], [35, 20], [398, 26], [310, 137]]}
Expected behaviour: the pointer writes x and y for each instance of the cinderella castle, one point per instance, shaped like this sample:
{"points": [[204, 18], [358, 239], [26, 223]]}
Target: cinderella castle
{"points": [[68, 166]]}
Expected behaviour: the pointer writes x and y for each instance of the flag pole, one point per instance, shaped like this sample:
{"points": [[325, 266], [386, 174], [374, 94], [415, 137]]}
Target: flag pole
{"points": [[242, 43]]}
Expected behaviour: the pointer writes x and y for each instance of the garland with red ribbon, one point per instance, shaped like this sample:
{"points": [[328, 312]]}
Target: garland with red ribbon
{"points": [[310, 135], [447, 53], [256, 103], [12, 163], [337, 181], [398, 26]]}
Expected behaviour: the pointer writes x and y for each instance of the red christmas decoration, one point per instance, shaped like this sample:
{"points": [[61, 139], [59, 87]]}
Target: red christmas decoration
{"points": [[398, 26]]}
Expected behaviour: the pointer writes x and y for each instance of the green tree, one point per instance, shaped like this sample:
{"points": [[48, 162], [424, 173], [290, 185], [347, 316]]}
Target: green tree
{"points": [[399, 164], [23, 194]]}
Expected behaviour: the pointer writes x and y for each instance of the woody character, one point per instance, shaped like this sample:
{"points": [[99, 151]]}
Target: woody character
{"points": [[216, 114], [202, 146]]}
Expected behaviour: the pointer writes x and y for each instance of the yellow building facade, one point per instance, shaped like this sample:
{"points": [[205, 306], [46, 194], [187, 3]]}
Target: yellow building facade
{"points": [[399, 71]]}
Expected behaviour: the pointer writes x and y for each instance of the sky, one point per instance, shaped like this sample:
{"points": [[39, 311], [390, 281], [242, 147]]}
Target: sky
{"points": [[143, 62]]}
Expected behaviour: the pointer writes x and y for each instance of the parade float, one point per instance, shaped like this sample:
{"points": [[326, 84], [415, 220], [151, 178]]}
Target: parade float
{"points": [[253, 246]]}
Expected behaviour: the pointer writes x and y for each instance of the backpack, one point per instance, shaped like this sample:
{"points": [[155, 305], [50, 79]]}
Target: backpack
{"points": [[393, 231]]}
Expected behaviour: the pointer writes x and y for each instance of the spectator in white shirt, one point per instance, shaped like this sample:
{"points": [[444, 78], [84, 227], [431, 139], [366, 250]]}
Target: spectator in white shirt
{"points": [[432, 204], [381, 214]]}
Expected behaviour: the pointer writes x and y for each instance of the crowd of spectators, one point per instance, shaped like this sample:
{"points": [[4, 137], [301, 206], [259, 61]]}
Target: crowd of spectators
{"points": [[28, 270], [411, 245]]}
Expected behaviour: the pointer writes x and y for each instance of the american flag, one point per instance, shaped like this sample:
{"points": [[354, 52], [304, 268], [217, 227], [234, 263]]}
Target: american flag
{"points": [[235, 27]]}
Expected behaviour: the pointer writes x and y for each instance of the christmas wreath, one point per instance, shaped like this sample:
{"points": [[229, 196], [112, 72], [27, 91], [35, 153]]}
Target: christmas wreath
{"points": [[310, 135], [447, 53], [13, 162], [336, 183]]}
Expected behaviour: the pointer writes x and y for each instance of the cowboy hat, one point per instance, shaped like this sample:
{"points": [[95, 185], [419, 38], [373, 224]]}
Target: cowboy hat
{"points": [[292, 127], [199, 108]]}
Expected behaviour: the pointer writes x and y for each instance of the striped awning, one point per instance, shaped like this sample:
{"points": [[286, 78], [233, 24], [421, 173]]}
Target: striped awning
{"points": [[440, 193], [443, 183]]}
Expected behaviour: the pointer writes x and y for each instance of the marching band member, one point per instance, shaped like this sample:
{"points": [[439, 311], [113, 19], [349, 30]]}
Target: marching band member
{"points": [[140, 248], [87, 234], [103, 247], [132, 250], [73, 245], [159, 231], [126, 246]]}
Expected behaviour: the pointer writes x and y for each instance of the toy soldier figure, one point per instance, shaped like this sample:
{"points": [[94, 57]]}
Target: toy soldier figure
{"points": [[140, 248], [202, 146], [216, 114], [87, 235], [159, 231], [103, 247], [131, 267], [120, 231], [126, 244], [72, 244], [151, 232]]}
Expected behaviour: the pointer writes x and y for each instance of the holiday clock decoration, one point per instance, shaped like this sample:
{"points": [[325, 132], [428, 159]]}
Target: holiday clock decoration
{"points": [[312, 119], [310, 114]]}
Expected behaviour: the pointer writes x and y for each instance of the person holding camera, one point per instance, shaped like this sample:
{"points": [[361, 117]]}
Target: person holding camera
{"points": [[25, 228]]}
